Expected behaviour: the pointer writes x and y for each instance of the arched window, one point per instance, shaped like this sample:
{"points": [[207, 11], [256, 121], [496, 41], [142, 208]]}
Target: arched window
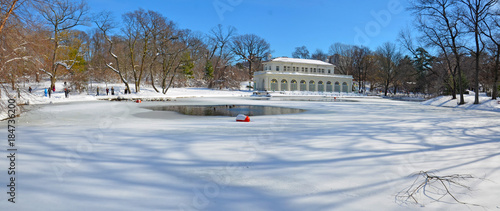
{"points": [[337, 86], [345, 87], [321, 86], [284, 85], [274, 85], [293, 85], [312, 86], [303, 85], [329, 87]]}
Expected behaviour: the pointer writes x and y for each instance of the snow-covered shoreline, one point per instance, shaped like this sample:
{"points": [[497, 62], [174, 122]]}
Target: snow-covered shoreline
{"points": [[486, 103], [148, 94]]}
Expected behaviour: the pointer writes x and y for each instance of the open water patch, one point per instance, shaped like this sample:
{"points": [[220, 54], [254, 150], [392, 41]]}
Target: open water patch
{"points": [[227, 110]]}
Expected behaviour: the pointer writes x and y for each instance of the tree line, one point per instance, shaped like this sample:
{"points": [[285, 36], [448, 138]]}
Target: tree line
{"points": [[455, 47], [42, 39]]}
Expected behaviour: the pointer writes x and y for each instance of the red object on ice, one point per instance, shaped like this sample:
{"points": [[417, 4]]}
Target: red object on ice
{"points": [[138, 101], [242, 118]]}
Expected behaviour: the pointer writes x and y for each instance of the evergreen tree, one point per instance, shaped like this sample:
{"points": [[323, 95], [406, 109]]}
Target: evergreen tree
{"points": [[423, 64], [209, 70]]}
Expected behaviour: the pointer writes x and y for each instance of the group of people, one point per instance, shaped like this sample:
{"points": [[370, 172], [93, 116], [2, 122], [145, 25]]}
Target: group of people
{"points": [[107, 91], [48, 92]]}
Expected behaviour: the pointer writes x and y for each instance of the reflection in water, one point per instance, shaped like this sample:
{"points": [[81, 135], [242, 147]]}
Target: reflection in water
{"points": [[227, 110]]}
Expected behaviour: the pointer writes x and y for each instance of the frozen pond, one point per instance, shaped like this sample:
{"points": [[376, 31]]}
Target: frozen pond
{"points": [[227, 110], [335, 156]]}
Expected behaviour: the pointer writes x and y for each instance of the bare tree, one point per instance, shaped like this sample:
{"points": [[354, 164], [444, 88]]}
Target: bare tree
{"points": [[7, 13], [251, 48], [61, 16], [175, 58], [18, 43], [105, 23], [162, 30], [477, 11], [362, 64], [98, 55], [439, 21], [219, 54], [388, 59], [342, 57], [319, 55], [141, 32], [301, 52], [492, 32]]}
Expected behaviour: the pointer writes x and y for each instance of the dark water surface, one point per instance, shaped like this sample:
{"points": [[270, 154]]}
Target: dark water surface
{"points": [[227, 110]]}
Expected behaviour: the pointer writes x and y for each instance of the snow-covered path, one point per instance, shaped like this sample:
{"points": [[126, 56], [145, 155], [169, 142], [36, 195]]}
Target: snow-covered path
{"points": [[335, 156]]}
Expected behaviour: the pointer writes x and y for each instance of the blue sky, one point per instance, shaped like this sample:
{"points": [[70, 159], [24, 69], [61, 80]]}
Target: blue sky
{"points": [[285, 24]]}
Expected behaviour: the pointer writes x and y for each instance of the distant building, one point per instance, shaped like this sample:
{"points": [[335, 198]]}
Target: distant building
{"points": [[291, 74]]}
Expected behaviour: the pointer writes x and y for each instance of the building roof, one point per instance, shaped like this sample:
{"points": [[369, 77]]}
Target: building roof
{"points": [[300, 61]]}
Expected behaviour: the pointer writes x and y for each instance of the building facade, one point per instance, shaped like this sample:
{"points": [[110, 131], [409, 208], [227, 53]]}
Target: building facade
{"points": [[291, 74]]}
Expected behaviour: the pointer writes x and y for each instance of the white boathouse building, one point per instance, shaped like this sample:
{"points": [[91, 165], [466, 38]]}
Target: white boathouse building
{"points": [[291, 74]]}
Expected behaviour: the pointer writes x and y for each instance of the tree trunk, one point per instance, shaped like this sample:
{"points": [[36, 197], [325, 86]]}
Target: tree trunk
{"points": [[170, 83], [53, 68], [454, 87], [359, 79], [13, 82], [476, 98], [250, 70], [386, 88], [52, 81], [460, 86], [495, 75], [153, 83]]}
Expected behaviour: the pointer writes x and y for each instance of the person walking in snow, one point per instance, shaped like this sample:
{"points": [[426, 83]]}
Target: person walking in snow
{"points": [[66, 92], [97, 91], [45, 92], [107, 91], [30, 89], [112, 91], [50, 93]]}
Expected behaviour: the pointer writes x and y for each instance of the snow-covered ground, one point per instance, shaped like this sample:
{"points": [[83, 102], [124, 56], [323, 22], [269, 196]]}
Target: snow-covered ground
{"points": [[109, 155], [486, 103]]}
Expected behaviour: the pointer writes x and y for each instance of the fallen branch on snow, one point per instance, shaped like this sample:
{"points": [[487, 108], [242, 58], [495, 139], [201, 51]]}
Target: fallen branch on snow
{"points": [[429, 186]]}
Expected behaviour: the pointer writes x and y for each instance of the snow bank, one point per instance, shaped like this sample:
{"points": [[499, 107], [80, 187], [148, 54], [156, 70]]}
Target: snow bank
{"points": [[486, 103]]}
